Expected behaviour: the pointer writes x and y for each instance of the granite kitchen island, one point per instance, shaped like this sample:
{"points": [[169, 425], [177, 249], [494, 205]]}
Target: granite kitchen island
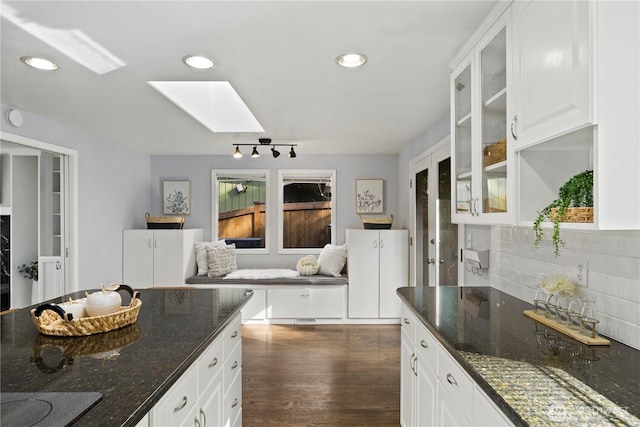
{"points": [[534, 375], [133, 367]]}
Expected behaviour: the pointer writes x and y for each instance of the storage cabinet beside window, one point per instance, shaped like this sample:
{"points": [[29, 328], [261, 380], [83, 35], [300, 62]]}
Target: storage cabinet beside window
{"points": [[378, 265], [158, 257], [480, 102]]}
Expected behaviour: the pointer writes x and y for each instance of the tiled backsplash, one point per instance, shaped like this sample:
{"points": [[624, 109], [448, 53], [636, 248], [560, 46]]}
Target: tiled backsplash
{"points": [[613, 271]]}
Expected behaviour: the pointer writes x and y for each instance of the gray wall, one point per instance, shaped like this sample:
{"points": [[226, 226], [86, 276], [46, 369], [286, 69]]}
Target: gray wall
{"points": [[198, 169], [113, 186]]}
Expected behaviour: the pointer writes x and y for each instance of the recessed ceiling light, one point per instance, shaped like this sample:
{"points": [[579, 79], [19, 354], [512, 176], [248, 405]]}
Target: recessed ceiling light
{"points": [[39, 63], [351, 60], [197, 61]]}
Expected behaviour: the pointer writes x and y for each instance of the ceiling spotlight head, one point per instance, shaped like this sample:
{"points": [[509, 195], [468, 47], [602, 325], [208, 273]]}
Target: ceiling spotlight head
{"points": [[275, 152], [292, 153], [264, 141], [351, 60], [198, 61], [39, 63], [237, 154], [255, 153]]}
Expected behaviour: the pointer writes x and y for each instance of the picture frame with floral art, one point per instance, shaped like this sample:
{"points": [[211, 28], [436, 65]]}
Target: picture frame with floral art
{"points": [[369, 196], [176, 197]]}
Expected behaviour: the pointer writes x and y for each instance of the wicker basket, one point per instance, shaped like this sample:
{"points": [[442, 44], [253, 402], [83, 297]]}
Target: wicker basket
{"points": [[51, 319], [377, 223], [494, 153], [175, 222], [573, 215]]}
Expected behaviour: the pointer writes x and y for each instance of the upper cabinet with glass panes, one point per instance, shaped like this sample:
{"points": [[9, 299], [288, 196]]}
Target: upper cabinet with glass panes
{"points": [[482, 180]]}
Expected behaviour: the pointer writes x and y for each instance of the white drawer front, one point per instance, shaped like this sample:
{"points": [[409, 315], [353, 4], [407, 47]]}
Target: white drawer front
{"points": [[321, 303], [232, 366], [210, 363], [456, 382], [176, 405], [408, 322], [233, 402], [427, 347], [232, 336]]}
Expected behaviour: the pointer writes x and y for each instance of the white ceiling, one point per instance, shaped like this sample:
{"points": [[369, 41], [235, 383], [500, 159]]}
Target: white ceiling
{"points": [[278, 55]]}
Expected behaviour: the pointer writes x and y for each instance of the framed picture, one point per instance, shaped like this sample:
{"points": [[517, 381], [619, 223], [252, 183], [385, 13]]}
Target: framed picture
{"points": [[176, 196], [369, 196]]}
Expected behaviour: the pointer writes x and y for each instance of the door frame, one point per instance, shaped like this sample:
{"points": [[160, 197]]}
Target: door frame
{"points": [[70, 254], [415, 167]]}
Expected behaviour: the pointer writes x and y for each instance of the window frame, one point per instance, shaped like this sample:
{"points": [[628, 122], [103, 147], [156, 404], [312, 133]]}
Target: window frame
{"points": [[302, 173], [215, 199]]}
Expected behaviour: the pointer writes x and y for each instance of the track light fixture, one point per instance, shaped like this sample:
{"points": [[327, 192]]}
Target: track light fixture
{"points": [[265, 142]]}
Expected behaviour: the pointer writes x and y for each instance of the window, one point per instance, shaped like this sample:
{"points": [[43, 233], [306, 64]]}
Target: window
{"points": [[306, 211], [240, 208]]}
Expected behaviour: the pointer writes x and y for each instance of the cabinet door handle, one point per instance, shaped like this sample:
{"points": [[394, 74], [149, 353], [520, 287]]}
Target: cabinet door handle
{"points": [[235, 403], [155, 243], [181, 405], [235, 365], [423, 344], [149, 243], [475, 206], [406, 321], [203, 417], [196, 423], [234, 334], [452, 380], [381, 243], [514, 122], [375, 243], [214, 362]]}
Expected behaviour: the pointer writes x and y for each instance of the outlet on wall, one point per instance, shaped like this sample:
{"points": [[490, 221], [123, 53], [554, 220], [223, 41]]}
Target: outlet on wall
{"points": [[579, 272], [469, 240]]}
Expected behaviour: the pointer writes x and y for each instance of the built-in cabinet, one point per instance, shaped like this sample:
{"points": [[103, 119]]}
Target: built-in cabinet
{"points": [[306, 303], [568, 102], [209, 393], [378, 263], [434, 389], [158, 257], [480, 102]]}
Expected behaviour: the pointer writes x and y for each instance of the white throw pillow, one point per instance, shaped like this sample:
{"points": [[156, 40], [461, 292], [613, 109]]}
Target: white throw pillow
{"points": [[308, 266], [332, 259], [221, 260], [201, 254]]}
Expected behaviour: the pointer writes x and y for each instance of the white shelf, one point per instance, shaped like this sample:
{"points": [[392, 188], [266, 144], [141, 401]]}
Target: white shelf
{"points": [[500, 167], [464, 119], [495, 98], [463, 176]]}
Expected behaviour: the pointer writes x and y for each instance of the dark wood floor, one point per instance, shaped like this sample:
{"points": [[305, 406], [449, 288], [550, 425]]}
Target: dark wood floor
{"points": [[333, 375]]}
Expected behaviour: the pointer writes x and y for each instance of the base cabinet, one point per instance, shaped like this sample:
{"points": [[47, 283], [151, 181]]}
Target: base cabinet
{"points": [[434, 389], [209, 393], [378, 265], [158, 257], [308, 303]]}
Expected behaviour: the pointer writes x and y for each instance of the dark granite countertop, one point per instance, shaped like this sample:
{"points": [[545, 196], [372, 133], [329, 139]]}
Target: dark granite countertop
{"points": [[534, 374], [132, 367]]}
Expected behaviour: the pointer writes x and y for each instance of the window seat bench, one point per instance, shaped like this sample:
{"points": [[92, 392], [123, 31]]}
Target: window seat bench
{"points": [[313, 299]]}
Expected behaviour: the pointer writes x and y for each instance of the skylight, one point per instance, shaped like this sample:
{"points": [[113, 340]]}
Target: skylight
{"points": [[214, 104]]}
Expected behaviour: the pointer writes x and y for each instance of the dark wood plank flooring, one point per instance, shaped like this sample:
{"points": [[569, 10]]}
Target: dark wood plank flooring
{"points": [[321, 375]]}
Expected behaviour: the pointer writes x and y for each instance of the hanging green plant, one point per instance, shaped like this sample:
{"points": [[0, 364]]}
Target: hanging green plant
{"points": [[577, 192]]}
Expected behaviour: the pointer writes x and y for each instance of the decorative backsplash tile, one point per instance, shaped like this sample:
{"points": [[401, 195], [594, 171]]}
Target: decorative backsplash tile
{"points": [[613, 271]]}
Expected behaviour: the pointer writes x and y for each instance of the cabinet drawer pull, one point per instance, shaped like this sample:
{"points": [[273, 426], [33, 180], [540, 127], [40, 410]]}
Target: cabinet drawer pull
{"points": [[181, 405], [235, 364], [214, 362], [452, 380], [235, 403], [234, 334], [406, 321], [203, 417], [423, 343]]}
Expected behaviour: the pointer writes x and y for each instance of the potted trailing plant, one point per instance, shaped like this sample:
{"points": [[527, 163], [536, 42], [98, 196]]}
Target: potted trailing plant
{"points": [[577, 192], [30, 271]]}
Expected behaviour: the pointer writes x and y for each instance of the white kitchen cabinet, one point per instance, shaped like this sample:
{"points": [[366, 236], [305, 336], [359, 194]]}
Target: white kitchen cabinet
{"points": [[604, 143], [553, 73], [50, 278], [158, 257], [434, 388], [481, 156], [307, 303], [378, 265], [209, 393]]}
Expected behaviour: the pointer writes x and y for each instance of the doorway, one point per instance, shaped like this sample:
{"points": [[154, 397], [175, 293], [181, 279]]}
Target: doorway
{"points": [[38, 206], [434, 249]]}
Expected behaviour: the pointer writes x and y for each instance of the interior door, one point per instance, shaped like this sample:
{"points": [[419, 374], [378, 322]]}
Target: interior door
{"points": [[434, 249]]}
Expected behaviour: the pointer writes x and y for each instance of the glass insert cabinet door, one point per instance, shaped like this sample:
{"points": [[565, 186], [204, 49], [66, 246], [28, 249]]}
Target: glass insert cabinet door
{"points": [[462, 130]]}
